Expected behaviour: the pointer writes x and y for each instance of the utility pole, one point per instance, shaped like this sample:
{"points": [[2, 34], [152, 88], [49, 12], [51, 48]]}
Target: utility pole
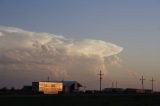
{"points": [[48, 78], [116, 83], [152, 81], [84, 88], [100, 79], [112, 84], [62, 80], [142, 81]]}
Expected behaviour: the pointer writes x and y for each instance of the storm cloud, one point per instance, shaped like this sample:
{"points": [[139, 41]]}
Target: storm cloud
{"points": [[52, 55]]}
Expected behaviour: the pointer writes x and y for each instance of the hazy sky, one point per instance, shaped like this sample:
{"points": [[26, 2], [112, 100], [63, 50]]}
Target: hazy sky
{"points": [[133, 25]]}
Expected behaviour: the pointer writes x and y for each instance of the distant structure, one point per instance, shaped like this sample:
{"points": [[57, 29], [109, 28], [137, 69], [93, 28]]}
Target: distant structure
{"points": [[113, 90], [142, 82], [134, 90], [152, 81], [100, 79], [56, 87], [126, 91]]}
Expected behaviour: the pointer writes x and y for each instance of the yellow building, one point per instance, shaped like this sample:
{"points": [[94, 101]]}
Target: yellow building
{"points": [[47, 87]]}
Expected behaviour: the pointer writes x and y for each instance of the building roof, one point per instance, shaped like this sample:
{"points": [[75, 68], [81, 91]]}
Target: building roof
{"points": [[66, 83], [70, 83]]}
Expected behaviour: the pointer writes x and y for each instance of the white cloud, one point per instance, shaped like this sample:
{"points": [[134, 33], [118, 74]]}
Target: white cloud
{"points": [[23, 51]]}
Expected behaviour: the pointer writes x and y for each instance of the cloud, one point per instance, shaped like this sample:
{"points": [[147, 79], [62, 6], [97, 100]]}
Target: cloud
{"points": [[53, 55]]}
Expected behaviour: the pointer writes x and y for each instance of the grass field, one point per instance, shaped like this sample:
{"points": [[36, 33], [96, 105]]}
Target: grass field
{"points": [[81, 100]]}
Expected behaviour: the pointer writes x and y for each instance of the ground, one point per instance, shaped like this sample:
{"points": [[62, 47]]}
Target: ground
{"points": [[81, 100]]}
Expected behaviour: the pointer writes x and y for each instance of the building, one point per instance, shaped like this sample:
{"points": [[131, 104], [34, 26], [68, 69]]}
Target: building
{"points": [[47, 87], [132, 90], [55, 87], [71, 86], [113, 90]]}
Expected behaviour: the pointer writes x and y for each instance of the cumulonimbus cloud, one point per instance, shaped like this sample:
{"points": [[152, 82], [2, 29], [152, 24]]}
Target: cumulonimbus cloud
{"points": [[22, 50]]}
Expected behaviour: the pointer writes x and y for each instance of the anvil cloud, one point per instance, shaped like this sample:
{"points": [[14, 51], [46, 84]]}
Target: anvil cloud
{"points": [[56, 56]]}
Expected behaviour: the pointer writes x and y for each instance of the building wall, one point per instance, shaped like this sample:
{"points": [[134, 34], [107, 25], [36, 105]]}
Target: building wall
{"points": [[71, 89], [47, 87]]}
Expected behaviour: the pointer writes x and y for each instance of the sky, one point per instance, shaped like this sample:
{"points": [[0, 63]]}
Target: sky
{"points": [[121, 38]]}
